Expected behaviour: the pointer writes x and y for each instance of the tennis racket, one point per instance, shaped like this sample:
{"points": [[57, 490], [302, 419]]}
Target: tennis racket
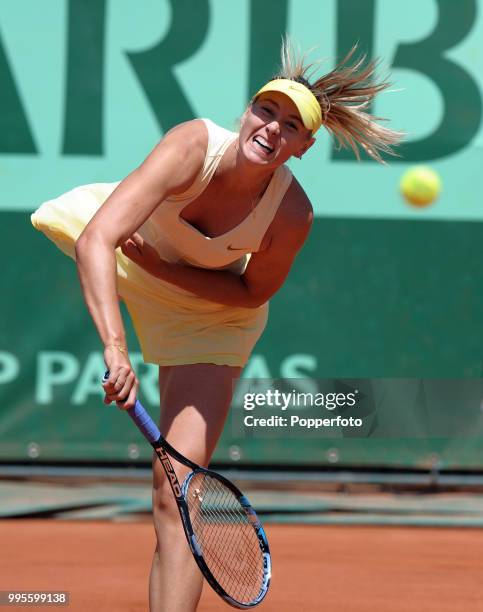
{"points": [[223, 531]]}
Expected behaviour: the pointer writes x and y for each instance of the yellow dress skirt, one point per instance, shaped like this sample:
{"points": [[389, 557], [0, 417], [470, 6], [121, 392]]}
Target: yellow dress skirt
{"points": [[173, 326]]}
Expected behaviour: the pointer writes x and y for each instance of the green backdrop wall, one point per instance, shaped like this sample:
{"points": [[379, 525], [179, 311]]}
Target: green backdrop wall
{"points": [[381, 290]]}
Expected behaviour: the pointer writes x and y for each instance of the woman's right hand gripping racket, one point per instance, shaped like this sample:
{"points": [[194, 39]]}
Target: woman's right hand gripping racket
{"points": [[223, 531]]}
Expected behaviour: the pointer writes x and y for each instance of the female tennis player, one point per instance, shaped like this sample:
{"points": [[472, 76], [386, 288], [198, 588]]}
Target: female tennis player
{"points": [[208, 227]]}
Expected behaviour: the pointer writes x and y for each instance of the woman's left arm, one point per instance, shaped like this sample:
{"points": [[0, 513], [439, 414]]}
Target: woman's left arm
{"points": [[266, 270]]}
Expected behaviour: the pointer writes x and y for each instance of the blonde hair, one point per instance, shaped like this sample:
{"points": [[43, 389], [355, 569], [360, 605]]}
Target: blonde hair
{"points": [[344, 94]]}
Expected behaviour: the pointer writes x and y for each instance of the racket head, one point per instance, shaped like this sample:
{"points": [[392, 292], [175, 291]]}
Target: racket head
{"points": [[226, 538]]}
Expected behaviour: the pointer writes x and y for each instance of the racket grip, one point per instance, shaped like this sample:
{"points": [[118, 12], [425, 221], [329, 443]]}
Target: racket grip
{"points": [[144, 422], [141, 418]]}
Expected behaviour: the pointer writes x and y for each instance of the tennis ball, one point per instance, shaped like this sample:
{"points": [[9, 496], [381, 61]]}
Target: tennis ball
{"points": [[420, 185]]}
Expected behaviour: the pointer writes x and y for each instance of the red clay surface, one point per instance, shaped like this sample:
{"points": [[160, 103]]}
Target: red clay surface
{"points": [[105, 566]]}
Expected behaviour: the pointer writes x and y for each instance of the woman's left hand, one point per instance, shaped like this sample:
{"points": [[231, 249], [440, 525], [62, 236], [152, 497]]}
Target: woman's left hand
{"points": [[142, 253]]}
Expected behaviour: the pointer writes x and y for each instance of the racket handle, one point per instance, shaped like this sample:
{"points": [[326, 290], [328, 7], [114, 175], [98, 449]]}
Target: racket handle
{"points": [[141, 418], [144, 422]]}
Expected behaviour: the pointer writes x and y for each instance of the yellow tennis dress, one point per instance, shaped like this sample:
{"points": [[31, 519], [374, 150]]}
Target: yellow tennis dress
{"points": [[174, 326]]}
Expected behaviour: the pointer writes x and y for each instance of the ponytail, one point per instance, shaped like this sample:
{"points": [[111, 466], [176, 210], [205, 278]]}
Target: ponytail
{"points": [[344, 94]]}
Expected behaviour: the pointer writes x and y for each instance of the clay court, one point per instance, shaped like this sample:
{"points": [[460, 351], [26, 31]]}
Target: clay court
{"points": [[105, 565]]}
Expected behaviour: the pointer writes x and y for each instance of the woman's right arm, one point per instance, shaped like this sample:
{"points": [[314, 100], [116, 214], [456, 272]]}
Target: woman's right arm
{"points": [[171, 168]]}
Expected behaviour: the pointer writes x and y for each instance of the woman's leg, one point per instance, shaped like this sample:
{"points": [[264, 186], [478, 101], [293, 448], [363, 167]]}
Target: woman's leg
{"points": [[194, 404]]}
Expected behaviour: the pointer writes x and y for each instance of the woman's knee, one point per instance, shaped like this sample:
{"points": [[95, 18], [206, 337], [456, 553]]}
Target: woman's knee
{"points": [[163, 498]]}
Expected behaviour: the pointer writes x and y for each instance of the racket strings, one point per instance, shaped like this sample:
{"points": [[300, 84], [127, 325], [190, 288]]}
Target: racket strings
{"points": [[236, 564], [230, 564], [225, 562], [226, 536]]}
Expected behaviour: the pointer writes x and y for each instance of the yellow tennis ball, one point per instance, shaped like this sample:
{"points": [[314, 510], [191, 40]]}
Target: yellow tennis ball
{"points": [[420, 185]]}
